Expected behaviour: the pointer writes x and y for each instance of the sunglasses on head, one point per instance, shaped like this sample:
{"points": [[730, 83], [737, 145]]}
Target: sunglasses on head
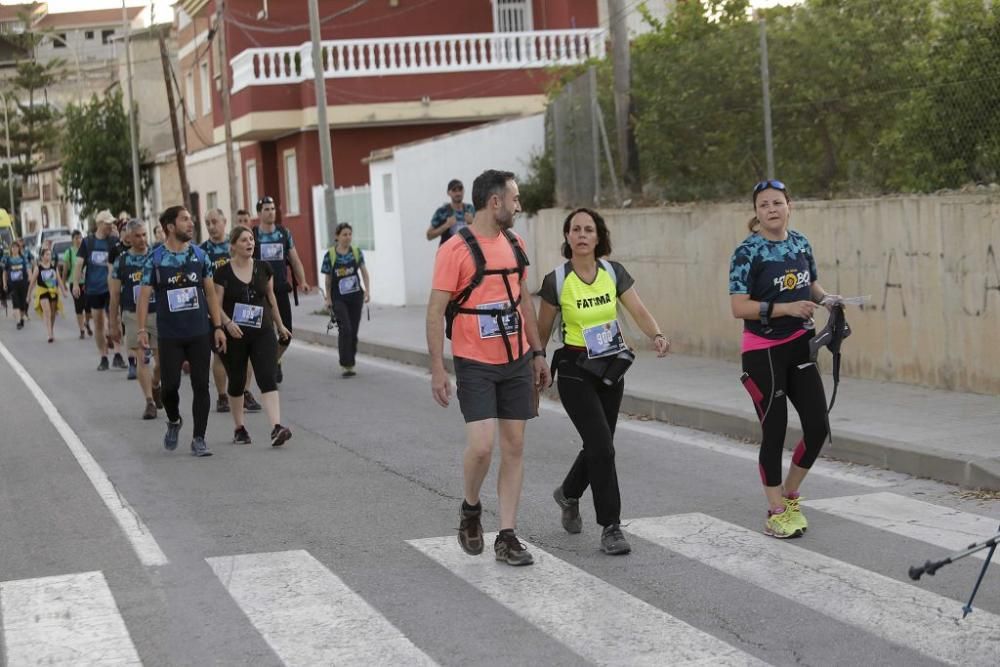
{"points": [[764, 185], [262, 201]]}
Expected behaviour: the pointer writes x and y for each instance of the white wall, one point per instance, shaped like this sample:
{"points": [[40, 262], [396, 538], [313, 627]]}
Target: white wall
{"points": [[386, 264], [421, 174], [206, 172]]}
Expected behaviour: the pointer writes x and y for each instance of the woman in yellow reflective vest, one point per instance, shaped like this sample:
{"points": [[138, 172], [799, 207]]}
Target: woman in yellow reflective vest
{"points": [[590, 366]]}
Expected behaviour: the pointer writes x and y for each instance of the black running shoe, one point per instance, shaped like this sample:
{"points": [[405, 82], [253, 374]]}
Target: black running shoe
{"points": [[510, 550], [613, 542], [222, 404], [20, 324], [103, 366], [119, 363], [250, 403], [83, 334], [280, 435], [241, 436], [470, 530]]}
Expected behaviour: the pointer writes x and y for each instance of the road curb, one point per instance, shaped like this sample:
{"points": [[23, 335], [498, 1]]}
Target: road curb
{"points": [[916, 460]]}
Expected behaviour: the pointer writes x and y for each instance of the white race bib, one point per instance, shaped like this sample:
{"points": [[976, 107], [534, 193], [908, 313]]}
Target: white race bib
{"points": [[182, 298], [489, 327], [349, 285], [16, 275], [247, 315], [272, 252], [99, 257], [604, 340]]}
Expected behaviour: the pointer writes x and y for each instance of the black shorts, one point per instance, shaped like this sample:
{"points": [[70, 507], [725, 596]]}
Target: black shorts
{"points": [[18, 295], [46, 296], [80, 303], [495, 391], [98, 301]]}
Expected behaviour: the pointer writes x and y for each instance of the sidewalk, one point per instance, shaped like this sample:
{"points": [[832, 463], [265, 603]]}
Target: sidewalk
{"points": [[943, 435]]}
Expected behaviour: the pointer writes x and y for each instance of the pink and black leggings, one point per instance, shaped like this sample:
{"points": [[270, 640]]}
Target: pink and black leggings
{"points": [[770, 377]]}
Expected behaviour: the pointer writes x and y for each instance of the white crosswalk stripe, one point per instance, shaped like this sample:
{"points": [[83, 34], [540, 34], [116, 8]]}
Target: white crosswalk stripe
{"points": [[69, 619], [308, 615], [599, 622], [941, 526], [895, 611]]}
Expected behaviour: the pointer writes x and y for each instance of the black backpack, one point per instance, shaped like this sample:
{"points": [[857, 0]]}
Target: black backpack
{"points": [[455, 305]]}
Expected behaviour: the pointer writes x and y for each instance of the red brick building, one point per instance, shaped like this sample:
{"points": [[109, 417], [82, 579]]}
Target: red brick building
{"points": [[395, 70]]}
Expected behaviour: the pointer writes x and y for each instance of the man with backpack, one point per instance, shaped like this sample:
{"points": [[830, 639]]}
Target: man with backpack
{"points": [[274, 245], [476, 299], [348, 289], [93, 255]]}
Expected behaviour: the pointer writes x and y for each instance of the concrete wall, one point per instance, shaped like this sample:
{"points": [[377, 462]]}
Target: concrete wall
{"points": [[929, 263], [403, 257]]}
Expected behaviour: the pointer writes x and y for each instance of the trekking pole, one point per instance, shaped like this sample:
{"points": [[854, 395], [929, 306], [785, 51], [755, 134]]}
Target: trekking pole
{"points": [[930, 567]]}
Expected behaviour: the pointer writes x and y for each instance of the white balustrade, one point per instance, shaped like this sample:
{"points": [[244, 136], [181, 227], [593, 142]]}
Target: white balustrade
{"points": [[479, 52]]}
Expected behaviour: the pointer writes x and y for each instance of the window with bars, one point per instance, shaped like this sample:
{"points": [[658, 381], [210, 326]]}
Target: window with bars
{"points": [[512, 16]]}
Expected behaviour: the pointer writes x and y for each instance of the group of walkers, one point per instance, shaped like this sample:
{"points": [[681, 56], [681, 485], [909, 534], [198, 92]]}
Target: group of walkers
{"points": [[480, 301]]}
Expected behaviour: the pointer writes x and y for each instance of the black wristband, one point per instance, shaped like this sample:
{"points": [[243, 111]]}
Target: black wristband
{"points": [[770, 309], [764, 310], [538, 353]]}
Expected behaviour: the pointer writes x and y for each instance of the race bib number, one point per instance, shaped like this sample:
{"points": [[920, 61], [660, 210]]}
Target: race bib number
{"points": [[99, 257], [182, 298], [16, 275], [604, 340], [272, 252], [136, 290], [489, 326], [246, 315], [349, 285]]}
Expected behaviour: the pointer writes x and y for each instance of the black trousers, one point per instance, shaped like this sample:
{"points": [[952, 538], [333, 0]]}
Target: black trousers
{"points": [[593, 407], [261, 349], [347, 310], [779, 374], [197, 351]]}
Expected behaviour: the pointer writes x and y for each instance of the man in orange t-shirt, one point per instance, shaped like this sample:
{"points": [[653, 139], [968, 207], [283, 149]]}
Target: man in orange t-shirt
{"points": [[499, 358]]}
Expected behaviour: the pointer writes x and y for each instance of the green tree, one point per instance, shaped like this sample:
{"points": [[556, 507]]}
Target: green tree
{"points": [[97, 155]]}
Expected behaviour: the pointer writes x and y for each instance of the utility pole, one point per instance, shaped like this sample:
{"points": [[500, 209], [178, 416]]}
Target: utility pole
{"points": [[765, 79], [323, 125], [178, 150], [617, 12], [220, 31], [10, 177], [132, 130]]}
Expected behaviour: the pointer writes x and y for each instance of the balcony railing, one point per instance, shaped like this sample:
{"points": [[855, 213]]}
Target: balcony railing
{"points": [[418, 55]]}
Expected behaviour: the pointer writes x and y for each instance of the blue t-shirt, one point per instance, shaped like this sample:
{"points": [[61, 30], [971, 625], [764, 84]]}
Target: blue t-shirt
{"points": [[273, 248], [178, 279], [774, 271], [218, 253], [16, 268], [462, 219], [344, 270], [129, 269], [95, 253]]}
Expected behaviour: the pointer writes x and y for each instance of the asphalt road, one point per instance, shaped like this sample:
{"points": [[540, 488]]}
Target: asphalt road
{"points": [[340, 547]]}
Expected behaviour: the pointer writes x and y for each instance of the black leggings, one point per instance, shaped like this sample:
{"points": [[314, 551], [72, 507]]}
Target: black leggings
{"points": [[18, 295], [774, 374], [261, 349], [197, 352], [593, 408], [347, 310]]}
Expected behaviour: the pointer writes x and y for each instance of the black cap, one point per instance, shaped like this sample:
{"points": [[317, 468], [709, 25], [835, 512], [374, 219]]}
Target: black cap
{"points": [[266, 199], [455, 183]]}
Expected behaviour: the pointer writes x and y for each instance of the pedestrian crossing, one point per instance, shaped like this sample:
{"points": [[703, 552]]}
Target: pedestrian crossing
{"points": [[308, 615]]}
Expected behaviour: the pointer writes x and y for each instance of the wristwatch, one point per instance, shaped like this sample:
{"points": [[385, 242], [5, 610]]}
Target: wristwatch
{"points": [[765, 312], [538, 353]]}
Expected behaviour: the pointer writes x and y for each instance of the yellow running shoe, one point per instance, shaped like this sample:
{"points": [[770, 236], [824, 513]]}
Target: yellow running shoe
{"points": [[781, 525], [798, 518]]}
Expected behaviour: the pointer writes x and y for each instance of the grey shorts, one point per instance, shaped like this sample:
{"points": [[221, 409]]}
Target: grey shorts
{"points": [[495, 391], [132, 330]]}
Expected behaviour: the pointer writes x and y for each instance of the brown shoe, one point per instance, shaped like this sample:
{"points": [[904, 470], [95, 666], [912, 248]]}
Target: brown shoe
{"points": [[158, 396], [150, 411], [470, 530]]}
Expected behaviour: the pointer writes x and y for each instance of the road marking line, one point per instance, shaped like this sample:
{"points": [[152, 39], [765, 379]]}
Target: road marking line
{"points": [[674, 434], [941, 526], [308, 615], [895, 611], [142, 541], [64, 620], [599, 622]]}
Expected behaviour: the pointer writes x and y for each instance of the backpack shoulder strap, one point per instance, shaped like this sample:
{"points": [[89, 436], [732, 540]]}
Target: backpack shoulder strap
{"points": [[561, 272], [519, 254], [478, 258], [357, 255], [609, 267]]}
